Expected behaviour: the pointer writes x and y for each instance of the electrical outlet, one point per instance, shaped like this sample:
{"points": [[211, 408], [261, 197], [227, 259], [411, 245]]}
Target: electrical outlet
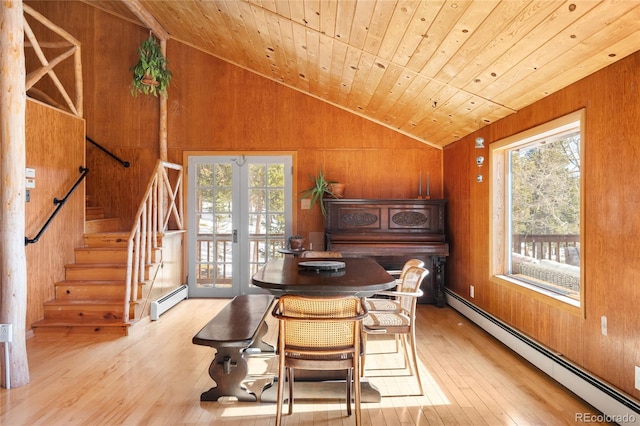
{"points": [[6, 334], [305, 204], [637, 377], [472, 291], [603, 325]]}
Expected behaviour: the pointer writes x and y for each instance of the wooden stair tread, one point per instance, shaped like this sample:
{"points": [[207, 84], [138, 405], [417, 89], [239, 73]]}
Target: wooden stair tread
{"points": [[102, 248], [120, 236], [73, 322], [98, 265], [103, 327], [125, 234], [94, 302], [91, 282], [103, 224], [95, 265]]}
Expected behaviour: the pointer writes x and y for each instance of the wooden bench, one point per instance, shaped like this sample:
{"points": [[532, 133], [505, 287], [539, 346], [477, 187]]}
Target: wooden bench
{"points": [[238, 328]]}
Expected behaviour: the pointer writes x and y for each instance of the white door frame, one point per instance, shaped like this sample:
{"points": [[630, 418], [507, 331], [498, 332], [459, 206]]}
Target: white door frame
{"points": [[242, 263]]}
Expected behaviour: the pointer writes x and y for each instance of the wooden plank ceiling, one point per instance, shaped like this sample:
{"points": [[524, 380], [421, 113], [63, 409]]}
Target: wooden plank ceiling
{"points": [[434, 70]]}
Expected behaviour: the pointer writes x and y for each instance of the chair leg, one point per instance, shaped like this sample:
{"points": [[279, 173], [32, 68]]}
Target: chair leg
{"points": [[349, 383], [364, 354], [405, 346], [281, 380], [415, 359], [356, 390], [291, 381]]}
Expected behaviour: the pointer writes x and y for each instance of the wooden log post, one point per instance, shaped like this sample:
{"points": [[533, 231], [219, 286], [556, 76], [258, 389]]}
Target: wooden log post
{"points": [[13, 268], [163, 114], [136, 7]]}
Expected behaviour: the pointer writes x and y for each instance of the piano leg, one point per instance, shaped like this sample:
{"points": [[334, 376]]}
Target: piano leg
{"points": [[438, 268]]}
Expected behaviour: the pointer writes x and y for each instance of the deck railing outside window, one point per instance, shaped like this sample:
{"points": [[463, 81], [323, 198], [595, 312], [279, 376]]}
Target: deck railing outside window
{"points": [[214, 257], [550, 247]]}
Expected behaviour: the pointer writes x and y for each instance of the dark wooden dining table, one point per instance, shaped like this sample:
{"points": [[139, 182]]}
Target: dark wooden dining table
{"points": [[361, 277]]}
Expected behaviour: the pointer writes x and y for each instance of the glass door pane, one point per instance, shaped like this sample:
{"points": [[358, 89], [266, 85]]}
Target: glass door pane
{"points": [[266, 213], [241, 211], [212, 185]]}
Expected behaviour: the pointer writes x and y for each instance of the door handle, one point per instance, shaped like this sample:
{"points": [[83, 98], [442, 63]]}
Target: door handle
{"points": [[235, 235]]}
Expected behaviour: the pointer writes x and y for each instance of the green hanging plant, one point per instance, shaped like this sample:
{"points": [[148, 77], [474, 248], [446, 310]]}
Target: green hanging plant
{"points": [[150, 75], [321, 187]]}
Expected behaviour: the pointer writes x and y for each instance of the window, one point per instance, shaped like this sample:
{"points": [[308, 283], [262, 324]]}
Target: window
{"points": [[536, 192]]}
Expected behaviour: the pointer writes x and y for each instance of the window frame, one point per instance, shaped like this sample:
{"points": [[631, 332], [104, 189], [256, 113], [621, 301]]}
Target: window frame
{"points": [[500, 213]]}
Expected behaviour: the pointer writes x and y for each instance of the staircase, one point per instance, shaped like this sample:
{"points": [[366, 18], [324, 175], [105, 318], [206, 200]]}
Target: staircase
{"points": [[91, 298]]}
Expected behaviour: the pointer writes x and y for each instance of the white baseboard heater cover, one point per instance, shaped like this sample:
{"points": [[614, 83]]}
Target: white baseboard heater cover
{"points": [[168, 301], [615, 405]]}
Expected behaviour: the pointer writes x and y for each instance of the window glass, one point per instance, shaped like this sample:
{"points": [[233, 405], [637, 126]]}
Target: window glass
{"points": [[537, 180]]}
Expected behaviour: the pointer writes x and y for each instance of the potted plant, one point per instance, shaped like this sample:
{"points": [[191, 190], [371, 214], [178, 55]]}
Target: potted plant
{"points": [[150, 74], [321, 188], [337, 189], [296, 242]]}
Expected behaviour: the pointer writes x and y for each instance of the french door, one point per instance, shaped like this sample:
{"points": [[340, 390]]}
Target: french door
{"points": [[239, 212]]}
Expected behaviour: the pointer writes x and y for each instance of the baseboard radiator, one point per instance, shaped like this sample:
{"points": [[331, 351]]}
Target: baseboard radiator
{"points": [[168, 301], [615, 405]]}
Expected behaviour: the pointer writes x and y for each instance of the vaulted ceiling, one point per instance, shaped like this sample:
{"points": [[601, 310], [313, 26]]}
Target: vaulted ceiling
{"points": [[434, 70]]}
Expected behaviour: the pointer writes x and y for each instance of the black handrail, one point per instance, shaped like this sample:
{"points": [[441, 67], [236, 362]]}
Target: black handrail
{"points": [[110, 154], [59, 203]]}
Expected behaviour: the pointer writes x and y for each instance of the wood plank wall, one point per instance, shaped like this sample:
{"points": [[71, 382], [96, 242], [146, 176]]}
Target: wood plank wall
{"points": [[220, 107], [610, 239], [216, 106], [55, 149]]}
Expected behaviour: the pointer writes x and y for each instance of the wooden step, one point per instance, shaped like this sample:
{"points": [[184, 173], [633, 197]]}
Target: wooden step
{"points": [[107, 254], [111, 224], [112, 239], [93, 213], [106, 309], [92, 289], [53, 327], [106, 239], [101, 254], [99, 271]]}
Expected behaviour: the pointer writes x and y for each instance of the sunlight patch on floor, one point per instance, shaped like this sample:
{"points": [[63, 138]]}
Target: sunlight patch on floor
{"points": [[385, 370]]}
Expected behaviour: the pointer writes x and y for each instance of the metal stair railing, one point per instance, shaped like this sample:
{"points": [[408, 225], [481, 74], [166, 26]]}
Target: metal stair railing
{"points": [[59, 203], [123, 163], [162, 202]]}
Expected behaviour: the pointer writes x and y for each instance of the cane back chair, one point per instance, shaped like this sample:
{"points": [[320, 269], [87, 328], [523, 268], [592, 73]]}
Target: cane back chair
{"points": [[400, 322], [319, 333]]}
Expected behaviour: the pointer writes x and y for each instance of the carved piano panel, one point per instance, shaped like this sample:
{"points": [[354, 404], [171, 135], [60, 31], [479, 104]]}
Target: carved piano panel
{"points": [[392, 231]]}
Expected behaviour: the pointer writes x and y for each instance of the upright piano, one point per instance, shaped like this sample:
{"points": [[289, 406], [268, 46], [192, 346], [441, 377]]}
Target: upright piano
{"points": [[392, 231]]}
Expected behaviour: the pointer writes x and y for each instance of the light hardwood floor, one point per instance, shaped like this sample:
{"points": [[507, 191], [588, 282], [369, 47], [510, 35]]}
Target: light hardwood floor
{"points": [[155, 377]]}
